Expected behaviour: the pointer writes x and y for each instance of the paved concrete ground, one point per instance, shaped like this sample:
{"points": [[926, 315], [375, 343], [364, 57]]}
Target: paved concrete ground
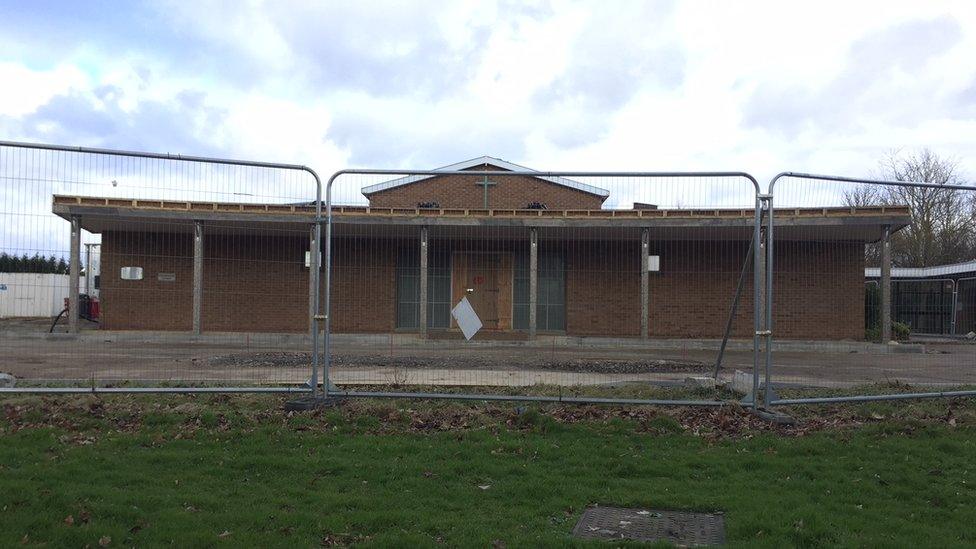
{"points": [[97, 357]]}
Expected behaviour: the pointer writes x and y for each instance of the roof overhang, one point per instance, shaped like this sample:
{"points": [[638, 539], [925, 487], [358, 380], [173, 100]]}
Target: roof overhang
{"points": [[99, 215]]}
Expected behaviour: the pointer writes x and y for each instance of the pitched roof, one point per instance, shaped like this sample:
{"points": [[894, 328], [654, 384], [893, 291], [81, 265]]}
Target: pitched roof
{"points": [[481, 161]]}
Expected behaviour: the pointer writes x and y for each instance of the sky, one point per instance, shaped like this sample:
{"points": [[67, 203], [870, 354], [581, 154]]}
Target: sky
{"points": [[762, 87]]}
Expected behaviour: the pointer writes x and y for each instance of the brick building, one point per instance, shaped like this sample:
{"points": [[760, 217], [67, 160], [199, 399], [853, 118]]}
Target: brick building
{"points": [[505, 243]]}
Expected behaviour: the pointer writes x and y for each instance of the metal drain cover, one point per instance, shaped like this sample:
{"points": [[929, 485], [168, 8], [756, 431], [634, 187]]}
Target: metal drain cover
{"points": [[678, 527]]}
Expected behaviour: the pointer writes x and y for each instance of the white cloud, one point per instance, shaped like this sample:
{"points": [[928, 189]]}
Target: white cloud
{"points": [[762, 87], [24, 90]]}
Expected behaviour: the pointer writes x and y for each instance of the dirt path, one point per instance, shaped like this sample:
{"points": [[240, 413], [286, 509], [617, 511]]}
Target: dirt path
{"points": [[52, 360]]}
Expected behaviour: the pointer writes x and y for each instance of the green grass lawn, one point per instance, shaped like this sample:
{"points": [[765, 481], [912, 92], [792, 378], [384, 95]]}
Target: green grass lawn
{"points": [[202, 471]]}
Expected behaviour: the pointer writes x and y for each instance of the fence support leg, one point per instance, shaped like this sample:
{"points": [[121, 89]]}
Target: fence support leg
{"points": [[763, 322], [197, 275], [645, 284], [765, 265], [423, 281], [886, 284], [74, 272], [533, 280], [761, 265], [734, 309]]}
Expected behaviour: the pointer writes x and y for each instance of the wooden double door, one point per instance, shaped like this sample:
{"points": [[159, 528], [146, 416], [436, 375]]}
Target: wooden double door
{"points": [[485, 278]]}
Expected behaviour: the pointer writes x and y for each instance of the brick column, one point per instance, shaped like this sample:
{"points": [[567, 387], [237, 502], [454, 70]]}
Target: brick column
{"points": [[74, 273], [423, 282], [645, 284], [533, 280]]}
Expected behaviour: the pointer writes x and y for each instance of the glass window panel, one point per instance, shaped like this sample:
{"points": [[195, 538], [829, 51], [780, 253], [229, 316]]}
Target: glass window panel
{"points": [[439, 315], [408, 315], [408, 287], [555, 317], [439, 289], [520, 290], [520, 316]]}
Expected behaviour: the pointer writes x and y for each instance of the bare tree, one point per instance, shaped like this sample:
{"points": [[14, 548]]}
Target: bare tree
{"points": [[972, 224], [942, 228], [863, 196]]}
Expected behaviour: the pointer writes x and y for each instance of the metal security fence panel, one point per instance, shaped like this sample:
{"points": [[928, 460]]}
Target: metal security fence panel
{"points": [[490, 280], [964, 309], [872, 310], [925, 306], [140, 271], [875, 334]]}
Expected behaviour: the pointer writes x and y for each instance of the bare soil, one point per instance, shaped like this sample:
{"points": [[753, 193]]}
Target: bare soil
{"points": [[92, 359]]}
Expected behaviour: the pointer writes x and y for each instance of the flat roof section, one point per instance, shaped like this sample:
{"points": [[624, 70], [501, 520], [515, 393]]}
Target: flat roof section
{"points": [[99, 214]]}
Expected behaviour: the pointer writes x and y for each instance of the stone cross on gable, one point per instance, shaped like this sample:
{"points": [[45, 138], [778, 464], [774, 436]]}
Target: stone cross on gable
{"points": [[485, 184]]}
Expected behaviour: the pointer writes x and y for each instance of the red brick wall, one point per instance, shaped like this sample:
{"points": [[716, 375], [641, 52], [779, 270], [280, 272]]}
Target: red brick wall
{"points": [[689, 297], [510, 192], [692, 294], [255, 283], [251, 283], [603, 288], [259, 283], [819, 290], [364, 284], [146, 304]]}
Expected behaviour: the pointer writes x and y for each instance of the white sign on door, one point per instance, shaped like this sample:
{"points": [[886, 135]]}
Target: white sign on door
{"points": [[466, 318]]}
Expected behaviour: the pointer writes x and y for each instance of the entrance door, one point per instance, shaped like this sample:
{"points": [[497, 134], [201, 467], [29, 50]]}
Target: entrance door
{"points": [[485, 279], [482, 288]]}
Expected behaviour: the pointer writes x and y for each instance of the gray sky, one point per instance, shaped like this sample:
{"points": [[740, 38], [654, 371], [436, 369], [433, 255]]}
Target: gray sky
{"points": [[825, 87]]}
